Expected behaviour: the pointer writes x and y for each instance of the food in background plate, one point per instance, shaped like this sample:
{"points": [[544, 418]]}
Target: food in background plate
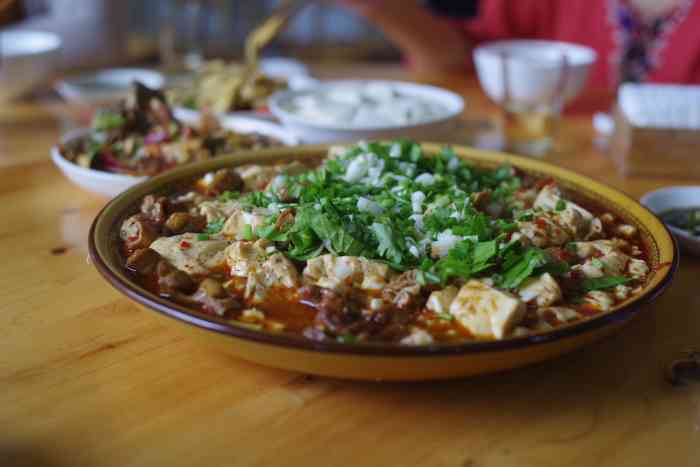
{"points": [[381, 243], [142, 137], [687, 219], [359, 105], [221, 87]]}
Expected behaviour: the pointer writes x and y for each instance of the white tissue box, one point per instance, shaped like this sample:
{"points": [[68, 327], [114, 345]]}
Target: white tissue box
{"points": [[657, 130]]}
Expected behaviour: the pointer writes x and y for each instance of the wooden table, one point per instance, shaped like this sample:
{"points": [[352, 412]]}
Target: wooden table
{"points": [[86, 379]]}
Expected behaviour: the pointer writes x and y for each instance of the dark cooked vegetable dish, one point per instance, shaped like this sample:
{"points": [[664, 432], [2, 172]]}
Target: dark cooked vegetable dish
{"points": [[142, 137], [383, 243], [687, 219]]}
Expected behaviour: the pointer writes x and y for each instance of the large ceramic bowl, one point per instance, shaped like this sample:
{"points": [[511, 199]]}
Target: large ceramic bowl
{"points": [[383, 361], [26, 58], [111, 184], [313, 132]]}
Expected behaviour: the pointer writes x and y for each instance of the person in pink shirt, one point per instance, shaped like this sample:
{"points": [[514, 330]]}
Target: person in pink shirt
{"points": [[636, 40]]}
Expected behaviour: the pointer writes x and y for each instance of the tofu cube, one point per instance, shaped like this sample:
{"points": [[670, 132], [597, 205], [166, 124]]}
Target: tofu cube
{"points": [[439, 301], [485, 311], [544, 290]]}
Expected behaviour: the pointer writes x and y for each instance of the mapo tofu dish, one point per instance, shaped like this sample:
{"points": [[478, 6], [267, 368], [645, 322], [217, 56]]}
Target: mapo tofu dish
{"points": [[383, 243], [142, 137]]}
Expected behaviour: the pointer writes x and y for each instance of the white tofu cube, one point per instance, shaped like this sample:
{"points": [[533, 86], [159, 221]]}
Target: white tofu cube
{"points": [[485, 311], [637, 268], [544, 290], [188, 254], [439, 301], [602, 300], [340, 272], [418, 336]]}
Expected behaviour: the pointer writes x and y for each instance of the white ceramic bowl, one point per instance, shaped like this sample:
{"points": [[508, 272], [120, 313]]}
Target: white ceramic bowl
{"points": [[110, 184], [106, 86], [675, 197], [26, 58], [533, 70], [313, 132]]}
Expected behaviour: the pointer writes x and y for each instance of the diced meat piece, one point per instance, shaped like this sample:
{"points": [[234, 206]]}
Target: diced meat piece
{"points": [[485, 311], [544, 232], [417, 336], [181, 222], [155, 208], [216, 183], [601, 300], [439, 301], [143, 261], [138, 232], [215, 210], [403, 290], [637, 268], [544, 290], [241, 224], [191, 255], [626, 230], [342, 272]]}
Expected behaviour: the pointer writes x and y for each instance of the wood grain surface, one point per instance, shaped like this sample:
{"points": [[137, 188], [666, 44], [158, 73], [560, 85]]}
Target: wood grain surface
{"points": [[86, 379]]}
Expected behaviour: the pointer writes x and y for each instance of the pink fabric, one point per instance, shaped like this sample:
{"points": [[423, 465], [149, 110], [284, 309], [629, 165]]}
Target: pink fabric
{"points": [[588, 22]]}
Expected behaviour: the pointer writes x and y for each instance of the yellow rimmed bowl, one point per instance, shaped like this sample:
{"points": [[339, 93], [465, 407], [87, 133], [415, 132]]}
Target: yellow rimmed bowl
{"points": [[384, 361]]}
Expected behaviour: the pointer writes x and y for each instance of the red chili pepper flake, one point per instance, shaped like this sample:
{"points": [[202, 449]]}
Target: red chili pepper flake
{"points": [[132, 237], [185, 244]]}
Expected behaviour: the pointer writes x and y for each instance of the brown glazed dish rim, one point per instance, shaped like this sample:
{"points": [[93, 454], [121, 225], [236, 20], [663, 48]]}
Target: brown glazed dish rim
{"points": [[114, 273]]}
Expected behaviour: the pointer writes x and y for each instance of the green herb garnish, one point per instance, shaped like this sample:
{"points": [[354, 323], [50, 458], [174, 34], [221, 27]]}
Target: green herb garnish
{"points": [[603, 283]]}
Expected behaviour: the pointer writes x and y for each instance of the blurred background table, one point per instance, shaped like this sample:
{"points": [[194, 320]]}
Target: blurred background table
{"points": [[87, 379]]}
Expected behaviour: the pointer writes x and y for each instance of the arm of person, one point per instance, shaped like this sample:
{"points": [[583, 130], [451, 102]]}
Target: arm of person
{"points": [[430, 43]]}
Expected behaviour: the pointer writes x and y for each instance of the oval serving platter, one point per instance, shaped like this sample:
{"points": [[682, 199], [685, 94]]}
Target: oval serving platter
{"points": [[384, 361]]}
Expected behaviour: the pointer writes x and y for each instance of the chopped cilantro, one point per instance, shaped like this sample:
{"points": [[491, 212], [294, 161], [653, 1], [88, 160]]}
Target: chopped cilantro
{"points": [[106, 120], [214, 227], [347, 338], [229, 196], [248, 232], [561, 205], [602, 283], [202, 236]]}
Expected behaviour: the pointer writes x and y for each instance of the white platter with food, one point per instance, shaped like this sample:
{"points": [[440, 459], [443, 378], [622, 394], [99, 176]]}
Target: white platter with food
{"points": [[353, 110], [125, 146]]}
